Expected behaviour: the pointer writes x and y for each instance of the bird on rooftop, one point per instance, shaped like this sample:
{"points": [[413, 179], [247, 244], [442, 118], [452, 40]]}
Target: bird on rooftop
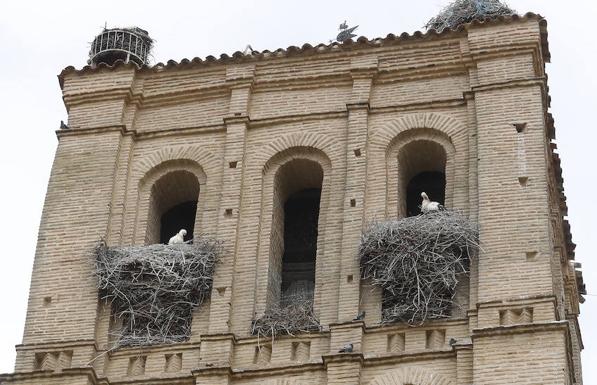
{"points": [[63, 125], [178, 238], [248, 50], [428, 205], [346, 349], [360, 316], [345, 32]]}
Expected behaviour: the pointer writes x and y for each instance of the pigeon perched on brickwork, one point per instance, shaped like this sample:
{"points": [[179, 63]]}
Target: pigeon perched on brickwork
{"points": [[178, 238], [428, 205], [63, 125], [360, 316], [346, 349]]}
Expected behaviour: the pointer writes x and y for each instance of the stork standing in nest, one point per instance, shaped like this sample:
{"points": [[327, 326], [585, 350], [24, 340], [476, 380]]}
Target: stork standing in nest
{"points": [[178, 238], [428, 205]]}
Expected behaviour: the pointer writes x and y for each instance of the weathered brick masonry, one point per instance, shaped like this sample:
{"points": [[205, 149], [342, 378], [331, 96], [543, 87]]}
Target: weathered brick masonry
{"points": [[477, 94]]}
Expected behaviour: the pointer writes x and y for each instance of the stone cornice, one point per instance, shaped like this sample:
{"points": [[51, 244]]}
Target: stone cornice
{"points": [[218, 337], [541, 82], [517, 301], [41, 375], [396, 358], [520, 329], [280, 370], [212, 371], [61, 345], [239, 119], [158, 99], [257, 123], [145, 350], [92, 130], [123, 92], [343, 358], [348, 325], [431, 324], [170, 380]]}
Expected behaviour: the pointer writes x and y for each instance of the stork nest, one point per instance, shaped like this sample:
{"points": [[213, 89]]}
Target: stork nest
{"points": [[293, 316], [154, 289], [417, 261], [464, 11]]}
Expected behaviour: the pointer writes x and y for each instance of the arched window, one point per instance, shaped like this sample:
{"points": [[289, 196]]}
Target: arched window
{"points": [[293, 248], [431, 182], [173, 206], [422, 168]]}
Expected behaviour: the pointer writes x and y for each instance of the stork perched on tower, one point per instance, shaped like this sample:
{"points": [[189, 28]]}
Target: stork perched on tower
{"points": [[346, 33], [178, 238], [428, 205]]}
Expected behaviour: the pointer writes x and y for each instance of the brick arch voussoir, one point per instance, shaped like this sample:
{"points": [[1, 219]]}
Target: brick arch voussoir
{"points": [[203, 158], [445, 124], [410, 376], [323, 143]]}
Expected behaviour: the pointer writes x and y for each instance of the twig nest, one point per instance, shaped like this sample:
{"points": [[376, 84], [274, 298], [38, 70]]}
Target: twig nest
{"points": [[294, 315], [464, 11], [154, 289], [417, 261]]}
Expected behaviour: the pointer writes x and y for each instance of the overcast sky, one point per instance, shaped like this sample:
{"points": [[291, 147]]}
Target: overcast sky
{"points": [[38, 39]]}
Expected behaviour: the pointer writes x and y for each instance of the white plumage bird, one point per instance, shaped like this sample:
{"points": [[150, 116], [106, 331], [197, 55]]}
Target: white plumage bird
{"points": [[178, 238], [428, 205]]}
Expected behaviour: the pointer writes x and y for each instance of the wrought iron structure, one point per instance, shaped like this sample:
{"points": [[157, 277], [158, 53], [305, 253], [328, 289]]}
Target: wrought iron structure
{"points": [[126, 44]]}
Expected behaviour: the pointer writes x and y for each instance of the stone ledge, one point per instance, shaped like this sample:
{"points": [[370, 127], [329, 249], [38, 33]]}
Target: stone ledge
{"points": [[55, 345], [165, 348], [87, 373], [519, 329]]}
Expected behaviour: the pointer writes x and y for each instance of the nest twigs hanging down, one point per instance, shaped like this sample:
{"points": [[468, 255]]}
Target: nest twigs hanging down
{"points": [[154, 289], [294, 315], [464, 11], [417, 261]]}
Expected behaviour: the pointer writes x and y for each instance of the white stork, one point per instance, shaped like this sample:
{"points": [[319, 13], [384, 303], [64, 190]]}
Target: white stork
{"points": [[178, 238], [428, 205]]}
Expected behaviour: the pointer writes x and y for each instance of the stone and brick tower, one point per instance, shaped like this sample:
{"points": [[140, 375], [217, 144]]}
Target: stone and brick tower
{"points": [[351, 124]]}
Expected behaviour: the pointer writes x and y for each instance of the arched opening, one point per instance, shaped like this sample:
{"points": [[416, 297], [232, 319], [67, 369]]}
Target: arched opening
{"points": [[431, 182], [181, 216], [173, 206], [301, 214], [422, 168], [293, 248]]}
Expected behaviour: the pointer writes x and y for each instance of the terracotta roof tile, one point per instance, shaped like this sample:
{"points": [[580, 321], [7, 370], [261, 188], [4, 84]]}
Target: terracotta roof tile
{"points": [[307, 49]]}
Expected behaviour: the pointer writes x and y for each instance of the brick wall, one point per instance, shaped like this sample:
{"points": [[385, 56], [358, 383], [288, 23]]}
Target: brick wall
{"points": [[477, 94]]}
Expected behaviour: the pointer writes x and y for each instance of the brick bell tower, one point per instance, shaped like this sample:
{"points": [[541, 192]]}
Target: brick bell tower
{"points": [[285, 158]]}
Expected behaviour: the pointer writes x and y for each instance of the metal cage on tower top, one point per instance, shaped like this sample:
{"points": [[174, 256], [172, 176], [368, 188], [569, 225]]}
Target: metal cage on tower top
{"points": [[126, 44]]}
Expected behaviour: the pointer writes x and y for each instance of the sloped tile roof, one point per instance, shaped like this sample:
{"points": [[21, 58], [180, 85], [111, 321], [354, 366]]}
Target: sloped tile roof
{"points": [[307, 49]]}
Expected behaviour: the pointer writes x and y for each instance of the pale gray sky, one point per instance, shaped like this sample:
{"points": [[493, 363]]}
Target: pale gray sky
{"points": [[38, 39]]}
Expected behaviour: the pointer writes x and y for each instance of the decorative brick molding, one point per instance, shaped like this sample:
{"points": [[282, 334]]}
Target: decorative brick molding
{"points": [[440, 153], [441, 122], [410, 375], [324, 143], [141, 167], [387, 140], [146, 184]]}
